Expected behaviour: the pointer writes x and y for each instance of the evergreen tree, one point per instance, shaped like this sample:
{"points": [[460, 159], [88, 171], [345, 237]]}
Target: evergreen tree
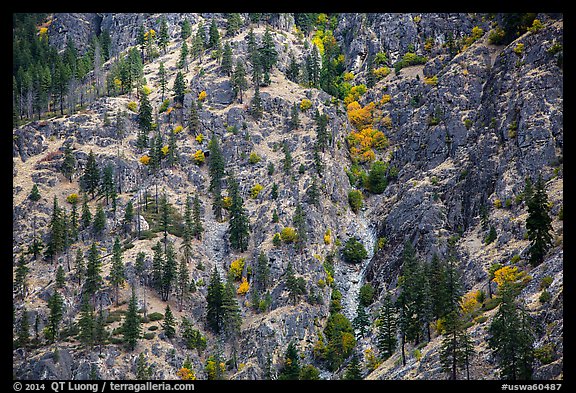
{"points": [[164, 218], [117, 274], [69, 163], [128, 217], [194, 120], [143, 370], [256, 108], [262, 272], [239, 224], [187, 232], [239, 82], [157, 263], [234, 23], [169, 322], [86, 216], [377, 178], [199, 42], [79, 266], [107, 186], [131, 327], [163, 36], [144, 120], [456, 348], [56, 307], [361, 321], [227, 61], [74, 224], [294, 117], [268, 55], [322, 136], [293, 69], [23, 330], [231, 314], [20, 277], [299, 222], [101, 334], [354, 370], [186, 29], [213, 35], [35, 193], [287, 161], [386, 328], [439, 281], [214, 299], [90, 179], [183, 59], [512, 338], [162, 79], [169, 270], [197, 227], [183, 282], [99, 223], [313, 67], [216, 163], [179, 87], [539, 224], [93, 280], [60, 277], [57, 231], [86, 323], [291, 367], [295, 285]]}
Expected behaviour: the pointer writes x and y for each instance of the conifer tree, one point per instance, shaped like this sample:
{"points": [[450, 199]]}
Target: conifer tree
{"points": [[179, 87], [238, 80], [128, 217], [227, 61], [144, 120], [386, 328], [199, 42], [293, 69], [183, 282], [162, 79], [194, 120], [361, 321], [256, 108], [294, 117], [107, 186], [511, 338], [214, 301], [213, 35], [69, 163], [60, 277], [101, 334], [216, 165], [538, 223], [239, 224], [117, 274], [287, 161], [57, 231], [456, 348], [183, 59], [93, 280], [262, 272], [86, 323], [90, 179], [291, 367], [299, 222], [21, 276], [34, 193], [169, 322], [353, 371], [79, 266], [23, 330], [99, 223], [131, 327], [56, 307], [163, 35], [232, 319], [268, 55], [143, 370], [169, 270], [186, 29], [157, 264], [86, 216], [234, 23], [197, 227]]}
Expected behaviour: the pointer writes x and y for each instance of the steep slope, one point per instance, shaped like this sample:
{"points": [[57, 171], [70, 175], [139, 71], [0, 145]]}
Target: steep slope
{"points": [[465, 129]]}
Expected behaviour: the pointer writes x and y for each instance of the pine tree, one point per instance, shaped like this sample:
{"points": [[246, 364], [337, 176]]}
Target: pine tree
{"points": [[34, 193], [234, 23], [197, 227], [299, 222], [268, 55], [183, 59], [183, 282], [23, 330], [194, 120], [157, 264], [179, 87], [144, 118], [57, 231], [239, 224], [386, 328], [353, 371], [256, 108], [456, 348], [186, 29], [169, 270], [361, 321], [93, 280], [20, 277], [56, 307], [539, 223], [214, 299], [295, 285], [143, 370], [164, 219], [90, 179], [69, 163], [162, 79], [262, 272], [86, 323], [187, 232], [131, 327], [163, 36], [99, 223], [227, 61], [293, 69], [512, 338], [294, 117], [291, 367], [107, 186], [117, 274], [79, 267], [231, 314], [213, 35], [199, 42], [287, 161], [74, 224], [60, 277], [169, 322], [101, 334], [86, 216], [128, 217], [322, 136], [238, 80]]}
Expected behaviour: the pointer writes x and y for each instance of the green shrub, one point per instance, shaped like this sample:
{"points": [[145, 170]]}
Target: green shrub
{"points": [[149, 336], [132, 106], [164, 106], [545, 297], [366, 294], [153, 328], [546, 282], [354, 251], [356, 200], [545, 354], [288, 235], [276, 240], [254, 191], [155, 316], [254, 158]]}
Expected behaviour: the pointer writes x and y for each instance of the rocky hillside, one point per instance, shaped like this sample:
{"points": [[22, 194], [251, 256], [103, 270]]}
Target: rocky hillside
{"points": [[458, 109]]}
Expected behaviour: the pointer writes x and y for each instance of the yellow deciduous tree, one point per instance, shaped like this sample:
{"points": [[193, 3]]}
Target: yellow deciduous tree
{"points": [[244, 287]]}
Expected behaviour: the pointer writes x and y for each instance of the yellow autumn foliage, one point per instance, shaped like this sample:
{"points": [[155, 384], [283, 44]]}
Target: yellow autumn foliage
{"points": [[199, 157], [469, 302], [186, 374], [244, 287], [145, 160], [202, 95], [508, 275], [236, 268]]}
